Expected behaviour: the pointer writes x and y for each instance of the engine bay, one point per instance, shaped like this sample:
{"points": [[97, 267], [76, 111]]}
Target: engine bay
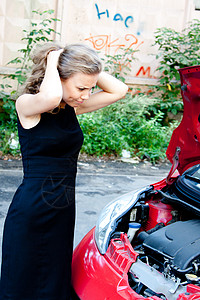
{"points": [[167, 243]]}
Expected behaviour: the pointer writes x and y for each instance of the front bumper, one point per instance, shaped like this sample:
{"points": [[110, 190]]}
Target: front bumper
{"points": [[102, 277], [96, 276]]}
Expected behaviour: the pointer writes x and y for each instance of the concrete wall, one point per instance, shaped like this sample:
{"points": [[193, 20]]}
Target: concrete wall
{"points": [[105, 25]]}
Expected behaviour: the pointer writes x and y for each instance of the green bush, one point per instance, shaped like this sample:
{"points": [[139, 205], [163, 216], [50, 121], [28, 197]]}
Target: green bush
{"points": [[119, 64], [8, 125], [175, 50], [126, 125], [39, 33]]}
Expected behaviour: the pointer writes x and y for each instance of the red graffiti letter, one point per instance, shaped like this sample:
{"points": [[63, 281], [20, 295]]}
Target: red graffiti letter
{"points": [[144, 72]]}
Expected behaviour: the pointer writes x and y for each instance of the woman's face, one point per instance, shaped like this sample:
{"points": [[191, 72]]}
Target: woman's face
{"points": [[77, 88]]}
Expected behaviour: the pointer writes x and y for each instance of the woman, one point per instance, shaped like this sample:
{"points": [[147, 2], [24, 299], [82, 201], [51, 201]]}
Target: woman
{"points": [[38, 232]]}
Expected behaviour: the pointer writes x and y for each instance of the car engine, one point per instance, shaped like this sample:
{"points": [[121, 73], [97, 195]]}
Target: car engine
{"points": [[175, 249], [168, 242], [170, 256]]}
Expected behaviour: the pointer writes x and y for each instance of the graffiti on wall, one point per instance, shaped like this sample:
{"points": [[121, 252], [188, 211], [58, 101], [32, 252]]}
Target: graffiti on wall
{"points": [[109, 45], [116, 17], [144, 72]]}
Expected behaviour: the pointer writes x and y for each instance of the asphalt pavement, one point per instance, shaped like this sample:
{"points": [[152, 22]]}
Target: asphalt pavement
{"points": [[98, 183]]}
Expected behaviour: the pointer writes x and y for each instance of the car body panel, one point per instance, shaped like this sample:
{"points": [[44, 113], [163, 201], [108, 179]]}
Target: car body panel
{"points": [[102, 277], [187, 135]]}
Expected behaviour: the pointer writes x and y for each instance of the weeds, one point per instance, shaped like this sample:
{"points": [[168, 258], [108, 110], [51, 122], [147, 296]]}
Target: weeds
{"points": [[175, 50], [40, 32], [126, 125]]}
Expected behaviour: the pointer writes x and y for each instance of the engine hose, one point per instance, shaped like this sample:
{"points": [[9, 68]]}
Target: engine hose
{"points": [[184, 271]]}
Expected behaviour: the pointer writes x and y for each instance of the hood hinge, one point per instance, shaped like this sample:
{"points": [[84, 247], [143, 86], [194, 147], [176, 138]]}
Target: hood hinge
{"points": [[174, 165]]}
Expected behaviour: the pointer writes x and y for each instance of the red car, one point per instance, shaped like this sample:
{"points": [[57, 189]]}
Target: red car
{"points": [[146, 244]]}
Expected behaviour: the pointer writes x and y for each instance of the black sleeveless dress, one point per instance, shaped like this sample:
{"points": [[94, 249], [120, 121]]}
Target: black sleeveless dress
{"points": [[39, 227]]}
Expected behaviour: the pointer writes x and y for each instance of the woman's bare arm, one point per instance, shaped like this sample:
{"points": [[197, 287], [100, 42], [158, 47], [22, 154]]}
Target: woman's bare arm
{"points": [[112, 90], [50, 93]]}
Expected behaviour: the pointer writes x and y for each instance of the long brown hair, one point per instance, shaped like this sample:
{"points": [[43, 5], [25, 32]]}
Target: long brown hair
{"points": [[75, 58]]}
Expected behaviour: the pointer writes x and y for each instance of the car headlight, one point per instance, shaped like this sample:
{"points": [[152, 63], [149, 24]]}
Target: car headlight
{"points": [[111, 213]]}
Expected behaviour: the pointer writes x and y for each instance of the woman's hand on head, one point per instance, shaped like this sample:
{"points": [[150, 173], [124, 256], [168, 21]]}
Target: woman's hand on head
{"points": [[51, 85], [53, 57]]}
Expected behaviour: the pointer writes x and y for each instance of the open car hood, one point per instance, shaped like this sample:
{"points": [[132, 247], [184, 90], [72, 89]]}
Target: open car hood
{"points": [[185, 140]]}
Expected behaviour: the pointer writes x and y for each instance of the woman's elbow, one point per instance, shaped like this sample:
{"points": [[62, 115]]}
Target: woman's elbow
{"points": [[123, 90], [52, 98]]}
